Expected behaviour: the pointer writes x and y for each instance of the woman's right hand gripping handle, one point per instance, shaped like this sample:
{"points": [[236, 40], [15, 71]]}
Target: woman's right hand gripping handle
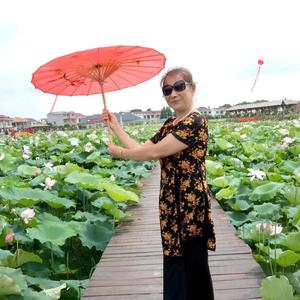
{"points": [[110, 119]]}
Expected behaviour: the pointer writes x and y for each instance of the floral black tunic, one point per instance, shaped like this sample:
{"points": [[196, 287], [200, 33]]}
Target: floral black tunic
{"points": [[184, 201]]}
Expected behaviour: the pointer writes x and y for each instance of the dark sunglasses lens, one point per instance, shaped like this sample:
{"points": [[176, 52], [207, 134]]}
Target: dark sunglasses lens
{"points": [[179, 86], [167, 90]]}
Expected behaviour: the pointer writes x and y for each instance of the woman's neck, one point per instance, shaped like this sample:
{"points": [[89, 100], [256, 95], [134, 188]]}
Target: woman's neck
{"points": [[182, 115]]}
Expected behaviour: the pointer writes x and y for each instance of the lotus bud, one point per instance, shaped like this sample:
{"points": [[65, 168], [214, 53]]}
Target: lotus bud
{"points": [[9, 238]]}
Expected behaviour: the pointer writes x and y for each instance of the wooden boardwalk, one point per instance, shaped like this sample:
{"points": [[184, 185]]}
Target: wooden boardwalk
{"points": [[131, 267]]}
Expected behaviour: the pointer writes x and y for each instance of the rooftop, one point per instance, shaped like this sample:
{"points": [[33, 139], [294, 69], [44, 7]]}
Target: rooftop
{"points": [[263, 104]]}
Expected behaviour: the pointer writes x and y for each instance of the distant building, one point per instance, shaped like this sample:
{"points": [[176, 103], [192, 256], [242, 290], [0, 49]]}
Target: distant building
{"points": [[213, 112], [91, 121], [5, 122], [267, 107], [124, 118], [62, 118], [22, 123], [148, 115]]}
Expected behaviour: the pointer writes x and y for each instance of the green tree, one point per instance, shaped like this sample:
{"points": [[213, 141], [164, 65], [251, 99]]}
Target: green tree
{"points": [[166, 112]]}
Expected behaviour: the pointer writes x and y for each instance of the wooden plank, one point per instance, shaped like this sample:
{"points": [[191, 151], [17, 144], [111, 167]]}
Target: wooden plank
{"points": [[131, 266]]}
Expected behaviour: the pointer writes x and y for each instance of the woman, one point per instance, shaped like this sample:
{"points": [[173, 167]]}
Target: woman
{"points": [[185, 217]]}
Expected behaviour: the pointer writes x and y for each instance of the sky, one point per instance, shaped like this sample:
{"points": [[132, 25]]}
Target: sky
{"points": [[219, 41]]}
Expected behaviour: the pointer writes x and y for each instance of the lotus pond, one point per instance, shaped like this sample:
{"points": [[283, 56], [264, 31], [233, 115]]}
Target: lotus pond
{"points": [[61, 191]]}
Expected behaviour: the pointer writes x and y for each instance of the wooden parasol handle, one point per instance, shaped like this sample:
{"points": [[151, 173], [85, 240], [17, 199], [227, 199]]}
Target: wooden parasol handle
{"points": [[105, 107]]}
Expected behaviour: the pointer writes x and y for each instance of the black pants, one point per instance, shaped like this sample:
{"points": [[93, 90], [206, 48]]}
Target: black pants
{"points": [[188, 277]]}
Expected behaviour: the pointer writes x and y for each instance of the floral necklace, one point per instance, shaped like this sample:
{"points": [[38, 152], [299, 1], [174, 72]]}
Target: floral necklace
{"points": [[177, 120]]}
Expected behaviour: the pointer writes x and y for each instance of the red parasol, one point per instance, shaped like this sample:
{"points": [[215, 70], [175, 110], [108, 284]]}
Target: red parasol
{"points": [[98, 70]]}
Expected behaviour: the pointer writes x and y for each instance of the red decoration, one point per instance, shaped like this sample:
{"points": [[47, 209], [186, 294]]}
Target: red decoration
{"points": [[260, 63]]}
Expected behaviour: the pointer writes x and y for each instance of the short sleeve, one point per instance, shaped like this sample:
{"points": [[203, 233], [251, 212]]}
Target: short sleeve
{"points": [[159, 134], [192, 130]]}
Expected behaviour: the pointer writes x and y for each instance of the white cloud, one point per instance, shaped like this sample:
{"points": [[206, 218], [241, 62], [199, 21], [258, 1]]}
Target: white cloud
{"points": [[219, 41]]}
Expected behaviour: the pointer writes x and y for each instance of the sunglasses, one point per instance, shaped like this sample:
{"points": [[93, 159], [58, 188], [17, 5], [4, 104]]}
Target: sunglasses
{"points": [[178, 86]]}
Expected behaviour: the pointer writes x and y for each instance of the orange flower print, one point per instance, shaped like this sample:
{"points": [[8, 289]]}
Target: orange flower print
{"points": [[185, 164]]}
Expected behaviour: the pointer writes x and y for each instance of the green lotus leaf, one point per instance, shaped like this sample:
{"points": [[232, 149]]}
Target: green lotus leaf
{"points": [[296, 217], [37, 181], [7, 163], [273, 288], [235, 162], [248, 147], [8, 286], [20, 233], [239, 205], [220, 182], [62, 171], [291, 166], [36, 270], [3, 223], [29, 197], [292, 194], [16, 275], [257, 156], [266, 191], [97, 234], [272, 176], [29, 294], [295, 149], [74, 290], [48, 217], [11, 181], [86, 216], [19, 258], [250, 232], [58, 202], [292, 241], [296, 277], [287, 258], [5, 253], [109, 207], [214, 168], [54, 293], [297, 176], [237, 218], [223, 144], [93, 156], [53, 232], [117, 193], [85, 180], [59, 148], [100, 160], [43, 283], [226, 193], [266, 209], [26, 170]]}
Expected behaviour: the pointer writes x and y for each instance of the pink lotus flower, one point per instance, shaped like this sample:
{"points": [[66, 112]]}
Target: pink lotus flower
{"points": [[286, 141], [9, 238], [49, 183], [27, 215], [269, 228]]}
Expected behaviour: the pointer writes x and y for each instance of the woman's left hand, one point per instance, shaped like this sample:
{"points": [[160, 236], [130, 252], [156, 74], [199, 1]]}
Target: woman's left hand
{"points": [[114, 150]]}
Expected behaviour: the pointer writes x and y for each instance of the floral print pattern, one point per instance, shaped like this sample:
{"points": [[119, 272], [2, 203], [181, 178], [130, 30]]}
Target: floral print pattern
{"points": [[184, 200]]}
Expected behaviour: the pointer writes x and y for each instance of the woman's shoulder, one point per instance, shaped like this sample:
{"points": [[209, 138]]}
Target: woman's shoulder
{"points": [[196, 117], [168, 121]]}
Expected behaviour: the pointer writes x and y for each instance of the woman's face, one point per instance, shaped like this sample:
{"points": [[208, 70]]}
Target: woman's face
{"points": [[180, 101]]}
